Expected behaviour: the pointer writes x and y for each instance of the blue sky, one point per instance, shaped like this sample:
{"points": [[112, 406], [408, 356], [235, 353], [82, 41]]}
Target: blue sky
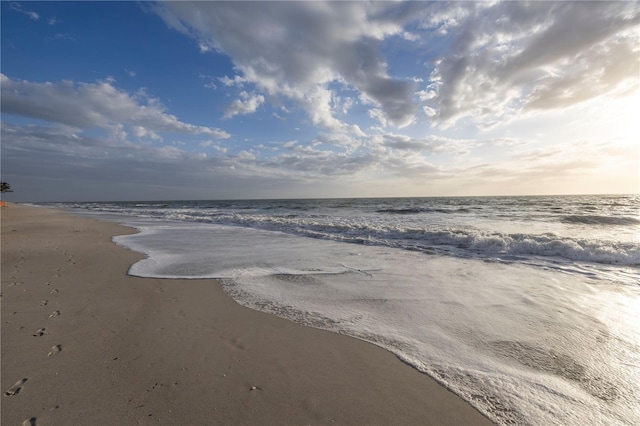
{"points": [[204, 100]]}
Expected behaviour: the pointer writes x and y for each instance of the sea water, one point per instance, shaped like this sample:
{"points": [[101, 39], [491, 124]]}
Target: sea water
{"points": [[527, 307]]}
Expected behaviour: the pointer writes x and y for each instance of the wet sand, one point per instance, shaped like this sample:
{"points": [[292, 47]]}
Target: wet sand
{"points": [[85, 344]]}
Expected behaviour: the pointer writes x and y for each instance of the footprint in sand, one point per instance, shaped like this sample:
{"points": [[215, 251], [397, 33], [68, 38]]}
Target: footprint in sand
{"points": [[55, 350], [15, 389], [54, 291], [39, 333], [54, 314], [44, 303], [29, 422]]}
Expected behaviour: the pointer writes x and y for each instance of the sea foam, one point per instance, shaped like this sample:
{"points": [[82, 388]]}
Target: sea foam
{"points": [[524, 344]]}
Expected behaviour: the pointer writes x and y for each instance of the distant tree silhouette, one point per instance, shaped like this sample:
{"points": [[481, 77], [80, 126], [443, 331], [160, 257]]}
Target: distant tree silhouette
{"points": [[5, 187]]}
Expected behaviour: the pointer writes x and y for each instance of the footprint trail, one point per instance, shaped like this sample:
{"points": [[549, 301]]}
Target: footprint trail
{"points": [[15, 389]]}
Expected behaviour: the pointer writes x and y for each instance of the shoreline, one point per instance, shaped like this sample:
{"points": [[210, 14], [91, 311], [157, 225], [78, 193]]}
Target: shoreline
{"points": [[97, 346]]}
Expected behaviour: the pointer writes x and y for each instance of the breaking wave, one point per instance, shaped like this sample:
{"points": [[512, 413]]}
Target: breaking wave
{"points": [[459, 242]]}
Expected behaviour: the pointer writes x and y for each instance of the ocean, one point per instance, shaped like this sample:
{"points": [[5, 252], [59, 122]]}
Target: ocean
{"points": [[527, 307]]}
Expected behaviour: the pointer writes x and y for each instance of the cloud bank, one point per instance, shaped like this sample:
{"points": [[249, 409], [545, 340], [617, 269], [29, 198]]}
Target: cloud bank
{"points": [[512, 58], [89, 105], [400, 96], [503, 59], [296, 49]]}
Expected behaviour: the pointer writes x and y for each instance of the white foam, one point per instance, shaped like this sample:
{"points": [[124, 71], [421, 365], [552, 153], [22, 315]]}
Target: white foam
{"points": [[523, 344], [464, 238]]}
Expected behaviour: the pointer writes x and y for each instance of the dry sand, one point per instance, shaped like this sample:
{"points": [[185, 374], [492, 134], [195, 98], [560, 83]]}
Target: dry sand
{"points": [[85, 344]]}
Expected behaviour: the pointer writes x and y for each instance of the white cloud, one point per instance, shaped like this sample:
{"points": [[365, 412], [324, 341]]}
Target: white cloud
{"points": [[246, 155], [30, 13], [209, 84], [485, 63], [511, 58], [141, 132], [377, 114], [248, 104], [235, 81], [88, 105], [295, 49], [342, 140], [97, 167], [410, 36], [503, 60], [347, 104], [63, 155], [429, 112], [430, 144]]}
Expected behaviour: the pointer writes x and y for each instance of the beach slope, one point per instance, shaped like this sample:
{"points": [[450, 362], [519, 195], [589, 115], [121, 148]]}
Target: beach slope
{"points": [[83, 343]]}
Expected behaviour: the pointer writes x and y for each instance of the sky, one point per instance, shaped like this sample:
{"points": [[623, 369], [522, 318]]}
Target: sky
{"points": [[108, 101]]}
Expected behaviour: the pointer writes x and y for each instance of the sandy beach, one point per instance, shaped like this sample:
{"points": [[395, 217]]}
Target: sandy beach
{"points": [[83, 343]]}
